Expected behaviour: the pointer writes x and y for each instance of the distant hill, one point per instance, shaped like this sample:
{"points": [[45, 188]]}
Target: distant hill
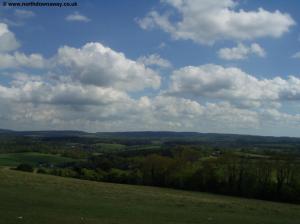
{"points": [[3, 131], [44, 133], [203, 136], [149, 134], [168, 138]]}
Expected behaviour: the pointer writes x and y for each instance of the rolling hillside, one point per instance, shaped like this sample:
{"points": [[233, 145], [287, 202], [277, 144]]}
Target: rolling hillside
{"points": [[33, 198]]}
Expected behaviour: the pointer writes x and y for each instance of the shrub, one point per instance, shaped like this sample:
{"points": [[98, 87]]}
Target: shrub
{"points": [[25, 167]]}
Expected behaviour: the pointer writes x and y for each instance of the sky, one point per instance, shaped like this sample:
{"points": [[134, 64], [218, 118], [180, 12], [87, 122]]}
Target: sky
{"points": [[221, 66]]}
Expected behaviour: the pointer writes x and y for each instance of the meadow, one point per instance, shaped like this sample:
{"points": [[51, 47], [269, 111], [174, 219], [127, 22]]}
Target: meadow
{"points": [[36, 198], [32, 158]]}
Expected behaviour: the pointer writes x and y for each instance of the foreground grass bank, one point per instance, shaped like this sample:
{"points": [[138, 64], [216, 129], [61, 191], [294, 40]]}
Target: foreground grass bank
{"points": [[34, 198]]}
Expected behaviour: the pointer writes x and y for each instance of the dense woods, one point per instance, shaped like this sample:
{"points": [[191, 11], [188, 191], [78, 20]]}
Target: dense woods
{"points": [[231, 173]]}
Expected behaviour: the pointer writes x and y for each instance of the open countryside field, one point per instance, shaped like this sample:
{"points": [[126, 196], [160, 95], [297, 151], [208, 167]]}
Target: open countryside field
{"points": [[35, 198], [32, 158]]}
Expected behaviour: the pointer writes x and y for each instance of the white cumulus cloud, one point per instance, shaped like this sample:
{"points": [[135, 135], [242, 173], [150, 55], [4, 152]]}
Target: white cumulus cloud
{"points": [[99, 65], [8, 41], [42, 92], [241, 52], [207, 21], [91, 88], [232, 84], [18, 59], [155, 60], [77, 17]]}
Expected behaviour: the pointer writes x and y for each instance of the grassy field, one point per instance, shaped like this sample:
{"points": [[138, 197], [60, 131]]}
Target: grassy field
{"points": [[33, 158], [35, 198], [108, 147]]}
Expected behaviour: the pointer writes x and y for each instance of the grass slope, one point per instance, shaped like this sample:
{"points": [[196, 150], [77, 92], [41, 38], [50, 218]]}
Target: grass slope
{"points": [[49, 199], [33, 158]]}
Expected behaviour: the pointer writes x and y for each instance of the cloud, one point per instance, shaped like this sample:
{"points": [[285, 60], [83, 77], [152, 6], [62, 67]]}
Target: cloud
{"points": [[233, 85], [9, 58], [8, 41], [98, 65], [296, 55], [24, 14], [37, 105], [31, 102], [18, 18], [241, 52], [178, 113], [38, 91], [162, 45], [154, 60], [77, 17], [18, 59], [76, 87], [258, 50], [91, 88], [207, 21]]}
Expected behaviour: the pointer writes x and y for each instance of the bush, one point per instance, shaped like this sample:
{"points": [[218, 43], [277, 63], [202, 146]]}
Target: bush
{"points": [[25, 167], [43, 171]]}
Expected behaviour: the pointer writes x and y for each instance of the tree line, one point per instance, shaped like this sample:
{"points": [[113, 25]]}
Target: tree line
{"points": [[274, 177]]}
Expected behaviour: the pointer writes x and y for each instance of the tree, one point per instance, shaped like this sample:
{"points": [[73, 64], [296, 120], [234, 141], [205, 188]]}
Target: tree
{"points": [[156, 170]]}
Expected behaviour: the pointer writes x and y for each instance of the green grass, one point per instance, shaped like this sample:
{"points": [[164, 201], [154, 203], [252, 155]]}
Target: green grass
{"points": [[143, 147], [114, 147], [109, 147], [48, 199], [33, 158]]}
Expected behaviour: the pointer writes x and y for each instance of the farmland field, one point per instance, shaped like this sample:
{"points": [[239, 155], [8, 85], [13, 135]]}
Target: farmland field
{"points": [[33, 158], [36, 198]]}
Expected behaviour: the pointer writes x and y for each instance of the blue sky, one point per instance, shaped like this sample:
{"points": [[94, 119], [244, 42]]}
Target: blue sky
{"points": [[184, 65]]}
